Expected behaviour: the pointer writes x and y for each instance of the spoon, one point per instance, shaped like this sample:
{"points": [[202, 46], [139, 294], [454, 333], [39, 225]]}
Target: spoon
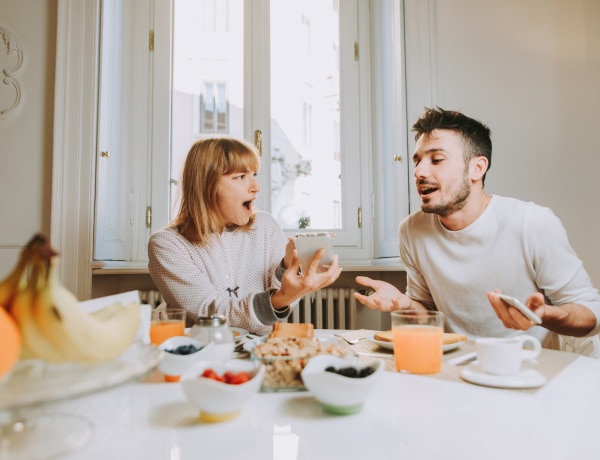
{"points": [[353, 341]]}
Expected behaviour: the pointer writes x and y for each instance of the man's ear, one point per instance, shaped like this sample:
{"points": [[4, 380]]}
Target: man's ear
{"points": [[478, 166]]}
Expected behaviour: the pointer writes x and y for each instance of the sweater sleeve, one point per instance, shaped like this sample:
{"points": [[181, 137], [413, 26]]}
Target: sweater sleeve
{"points": [[559, 272]]}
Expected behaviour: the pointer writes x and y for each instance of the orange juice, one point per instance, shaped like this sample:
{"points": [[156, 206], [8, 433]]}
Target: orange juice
{"points": [[163, 330], [418, 348]]}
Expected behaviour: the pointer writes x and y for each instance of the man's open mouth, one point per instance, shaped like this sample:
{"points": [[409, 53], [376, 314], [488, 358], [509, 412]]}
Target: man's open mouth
{"points": [[427, 190]]}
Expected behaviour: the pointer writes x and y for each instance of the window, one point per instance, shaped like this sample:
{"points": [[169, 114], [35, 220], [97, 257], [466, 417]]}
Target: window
{"points": [[305, 79], [213, 109]]}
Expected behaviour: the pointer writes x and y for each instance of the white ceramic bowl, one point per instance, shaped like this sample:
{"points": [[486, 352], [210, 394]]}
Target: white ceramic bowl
{"points": [[218, 401], [172, 365], [336, 393]]}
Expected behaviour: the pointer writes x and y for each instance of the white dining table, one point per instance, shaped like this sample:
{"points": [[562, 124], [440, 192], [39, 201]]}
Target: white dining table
{"points": [[406, 417]]}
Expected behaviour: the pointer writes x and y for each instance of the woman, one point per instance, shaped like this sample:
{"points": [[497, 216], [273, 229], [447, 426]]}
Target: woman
{"points": [[219, 256]]}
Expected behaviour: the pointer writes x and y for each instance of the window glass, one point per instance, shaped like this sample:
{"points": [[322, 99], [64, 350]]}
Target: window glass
{"points": [[306, 181], [208, 77]]}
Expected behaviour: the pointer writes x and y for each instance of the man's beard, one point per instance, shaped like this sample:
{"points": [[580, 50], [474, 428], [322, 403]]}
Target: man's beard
{"points": [[455, 203]]}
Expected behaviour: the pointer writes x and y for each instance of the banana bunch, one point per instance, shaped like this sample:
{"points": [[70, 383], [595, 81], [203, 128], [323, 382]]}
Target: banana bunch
{"points": [[52, 324]]}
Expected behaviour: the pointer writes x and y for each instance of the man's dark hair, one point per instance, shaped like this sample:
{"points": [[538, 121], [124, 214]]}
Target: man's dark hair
{"points": [[476, 136]]}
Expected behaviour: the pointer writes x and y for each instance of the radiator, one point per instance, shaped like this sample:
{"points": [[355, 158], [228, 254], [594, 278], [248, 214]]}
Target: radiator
{"points": [[152, 297], [331, 308]]}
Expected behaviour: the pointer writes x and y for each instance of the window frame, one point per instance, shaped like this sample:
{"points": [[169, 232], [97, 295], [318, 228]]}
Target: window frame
{"points": [[75, 137]]}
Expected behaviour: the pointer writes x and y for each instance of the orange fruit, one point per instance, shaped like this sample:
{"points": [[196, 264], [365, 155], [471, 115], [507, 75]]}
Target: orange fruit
{"points": [[10, 342]]}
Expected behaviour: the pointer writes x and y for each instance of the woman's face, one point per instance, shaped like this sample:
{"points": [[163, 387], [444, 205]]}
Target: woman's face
{"points": [[235, 194]]}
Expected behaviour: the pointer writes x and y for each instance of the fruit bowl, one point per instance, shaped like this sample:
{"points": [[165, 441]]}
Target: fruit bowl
{"points": [[341, 394], [179, 356], [219, 401]]}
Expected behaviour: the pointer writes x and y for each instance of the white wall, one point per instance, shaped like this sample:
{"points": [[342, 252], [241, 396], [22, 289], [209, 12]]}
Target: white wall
{"points": [[530, 69], [26, 131]]}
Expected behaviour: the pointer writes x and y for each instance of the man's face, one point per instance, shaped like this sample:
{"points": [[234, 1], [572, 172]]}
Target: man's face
{"points": [[441, 175]]}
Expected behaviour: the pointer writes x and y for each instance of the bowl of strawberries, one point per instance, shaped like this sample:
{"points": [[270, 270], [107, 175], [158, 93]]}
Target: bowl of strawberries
{"points": [[219, 390]]}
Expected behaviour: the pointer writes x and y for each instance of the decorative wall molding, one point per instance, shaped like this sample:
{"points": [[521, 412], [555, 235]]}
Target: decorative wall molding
{"points": [[11, 61]]}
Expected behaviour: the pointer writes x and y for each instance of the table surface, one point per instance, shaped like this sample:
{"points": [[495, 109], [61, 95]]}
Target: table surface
{"points": [[407, 416]]}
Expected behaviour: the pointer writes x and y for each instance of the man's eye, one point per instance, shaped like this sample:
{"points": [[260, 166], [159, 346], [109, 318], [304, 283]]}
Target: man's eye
{"points": [[436, 161]]}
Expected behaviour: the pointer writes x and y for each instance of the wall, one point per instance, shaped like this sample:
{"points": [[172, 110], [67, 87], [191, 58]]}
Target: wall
{"points": [[530, 70], [26, 131]]}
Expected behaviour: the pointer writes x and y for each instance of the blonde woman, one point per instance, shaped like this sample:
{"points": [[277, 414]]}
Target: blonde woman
{"points": [[219, 254]]}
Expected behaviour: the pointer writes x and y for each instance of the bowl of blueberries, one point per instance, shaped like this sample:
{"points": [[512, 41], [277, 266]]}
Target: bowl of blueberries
{"points": [[181, 352], [339, 384]]}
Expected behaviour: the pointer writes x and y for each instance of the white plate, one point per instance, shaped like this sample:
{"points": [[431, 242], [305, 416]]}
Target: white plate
{"points": [[525, 378], [390, 345]]}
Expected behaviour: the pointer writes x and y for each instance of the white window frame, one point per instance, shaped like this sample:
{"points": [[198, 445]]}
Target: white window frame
{"points": [[75, 137]]}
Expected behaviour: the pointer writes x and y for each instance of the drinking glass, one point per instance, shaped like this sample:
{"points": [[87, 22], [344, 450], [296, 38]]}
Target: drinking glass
{"points": [[418, 341], [166, 324]]}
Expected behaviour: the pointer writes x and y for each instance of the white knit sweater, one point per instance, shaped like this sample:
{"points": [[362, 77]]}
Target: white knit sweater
{"points": [[234, 271], [515, 246]]}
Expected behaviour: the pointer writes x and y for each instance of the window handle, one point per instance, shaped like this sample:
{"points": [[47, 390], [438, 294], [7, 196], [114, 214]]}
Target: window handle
{"points": [[258, 141]]}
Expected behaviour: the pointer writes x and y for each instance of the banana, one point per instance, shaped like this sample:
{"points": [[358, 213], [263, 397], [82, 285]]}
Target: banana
{"points": [[10, 284], [107, 312], [34, 342], [53, 325], [78, 335]]}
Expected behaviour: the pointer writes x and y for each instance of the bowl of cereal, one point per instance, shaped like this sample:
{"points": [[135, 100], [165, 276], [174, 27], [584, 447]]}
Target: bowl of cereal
{"points": [[341, 385], [285, 359]]}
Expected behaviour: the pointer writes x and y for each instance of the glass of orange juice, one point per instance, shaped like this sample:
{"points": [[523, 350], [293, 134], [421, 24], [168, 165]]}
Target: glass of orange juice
{"points": [[418, 340], [166, 324]]}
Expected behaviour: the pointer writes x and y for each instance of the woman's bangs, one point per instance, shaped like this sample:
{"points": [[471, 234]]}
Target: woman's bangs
{"points": [[242, 160]]}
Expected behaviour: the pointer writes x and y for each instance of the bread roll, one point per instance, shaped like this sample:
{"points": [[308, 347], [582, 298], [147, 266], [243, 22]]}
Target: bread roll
{"points": [[301, 330]]}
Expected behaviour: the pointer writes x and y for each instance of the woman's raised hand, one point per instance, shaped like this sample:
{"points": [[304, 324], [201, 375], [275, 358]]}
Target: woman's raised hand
{"points": [[295, 285]]}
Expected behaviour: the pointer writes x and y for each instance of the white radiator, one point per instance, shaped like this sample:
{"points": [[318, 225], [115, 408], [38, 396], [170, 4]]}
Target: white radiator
{"points": [[330, 308], [152, 297]]}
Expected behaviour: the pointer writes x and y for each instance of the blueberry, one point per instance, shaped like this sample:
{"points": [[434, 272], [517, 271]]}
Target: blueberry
{"points": [[351, 372], [184, 350], [366, 371]]}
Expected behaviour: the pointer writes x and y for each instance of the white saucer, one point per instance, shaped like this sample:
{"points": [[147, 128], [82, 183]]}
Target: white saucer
{"points": [[525, 378], [390, 345]]}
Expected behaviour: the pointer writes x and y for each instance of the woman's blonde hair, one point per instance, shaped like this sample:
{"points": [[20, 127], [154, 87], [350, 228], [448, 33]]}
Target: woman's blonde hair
{"points": [[207, 161]]}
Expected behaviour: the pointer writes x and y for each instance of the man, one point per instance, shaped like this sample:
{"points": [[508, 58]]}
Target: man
{"points": [[464, 246]]}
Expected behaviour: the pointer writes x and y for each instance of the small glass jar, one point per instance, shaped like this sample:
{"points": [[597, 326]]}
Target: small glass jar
{"points": [[213, 329]]}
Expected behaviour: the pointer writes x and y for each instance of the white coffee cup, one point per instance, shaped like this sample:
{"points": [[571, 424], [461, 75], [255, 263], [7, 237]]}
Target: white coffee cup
{"points": [[503, 356]]}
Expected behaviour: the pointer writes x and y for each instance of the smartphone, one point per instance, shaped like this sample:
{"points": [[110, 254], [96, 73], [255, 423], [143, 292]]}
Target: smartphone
{"points": [[522, 308], [307, 244]]}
